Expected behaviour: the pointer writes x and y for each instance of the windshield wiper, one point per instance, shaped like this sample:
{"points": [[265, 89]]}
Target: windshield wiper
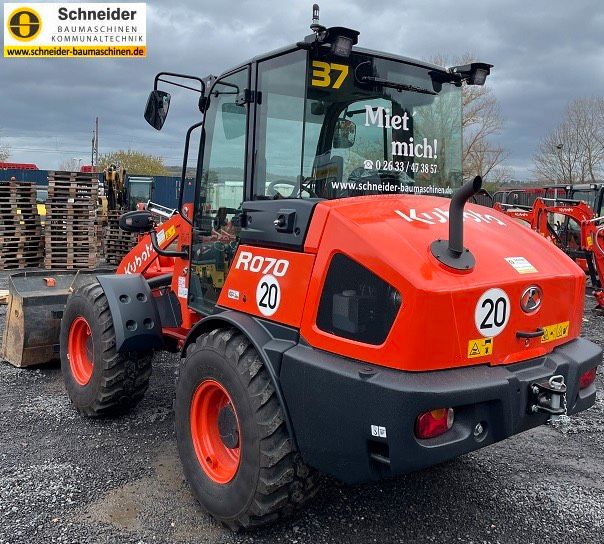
{"points": [[396, 85]]}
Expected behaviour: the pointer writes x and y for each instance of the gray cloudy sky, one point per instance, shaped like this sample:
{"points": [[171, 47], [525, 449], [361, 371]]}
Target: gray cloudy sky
{"points": [[545, 52]]}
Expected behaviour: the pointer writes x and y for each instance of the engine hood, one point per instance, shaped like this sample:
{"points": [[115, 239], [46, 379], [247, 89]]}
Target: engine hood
{"points": [[449, 318]]}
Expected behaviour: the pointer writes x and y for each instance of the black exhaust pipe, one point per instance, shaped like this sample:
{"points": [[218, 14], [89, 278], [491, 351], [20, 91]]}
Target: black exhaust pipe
{"points": [[452, 252]]}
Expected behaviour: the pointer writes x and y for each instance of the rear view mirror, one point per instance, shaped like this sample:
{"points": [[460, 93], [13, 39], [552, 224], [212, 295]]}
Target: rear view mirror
{"points": [[344, 134], [234, 120], [136, 221], [157, 108]]}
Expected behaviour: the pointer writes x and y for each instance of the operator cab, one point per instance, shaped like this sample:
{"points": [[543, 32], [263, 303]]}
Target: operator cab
{"points": [[590, 193], [319, 119]]}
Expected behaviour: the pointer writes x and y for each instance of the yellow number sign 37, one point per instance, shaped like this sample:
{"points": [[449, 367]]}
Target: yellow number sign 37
{"points": [[322, 77]]}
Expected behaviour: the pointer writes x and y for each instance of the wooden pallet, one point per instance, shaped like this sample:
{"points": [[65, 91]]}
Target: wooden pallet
{"points": [[116, 242], [20, 227], [71, 235]]}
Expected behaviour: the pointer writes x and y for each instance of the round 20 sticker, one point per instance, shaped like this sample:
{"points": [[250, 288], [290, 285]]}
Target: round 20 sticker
{"points": [[268, 295], [492, 312]]}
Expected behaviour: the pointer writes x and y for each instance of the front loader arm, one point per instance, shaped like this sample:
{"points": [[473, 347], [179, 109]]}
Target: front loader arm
{"points": [[143, 259]]}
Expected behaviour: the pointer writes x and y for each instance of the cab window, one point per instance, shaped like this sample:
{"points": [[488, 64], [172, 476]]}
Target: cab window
{"points": [[220, 191]]}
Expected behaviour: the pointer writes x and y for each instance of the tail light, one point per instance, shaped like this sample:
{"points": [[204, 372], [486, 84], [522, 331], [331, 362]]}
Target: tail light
{"points": [[434, 423], [587, 378]]}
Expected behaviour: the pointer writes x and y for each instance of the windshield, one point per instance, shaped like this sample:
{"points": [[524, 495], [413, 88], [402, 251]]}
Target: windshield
{"points": [[588, 196], [334, 128]]}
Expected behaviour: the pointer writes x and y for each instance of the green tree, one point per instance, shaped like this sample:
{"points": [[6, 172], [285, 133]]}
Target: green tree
{"points": [[135, 162]]}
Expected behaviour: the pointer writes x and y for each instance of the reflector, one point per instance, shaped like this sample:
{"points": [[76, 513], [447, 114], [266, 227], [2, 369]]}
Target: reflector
{"points": [[587, 378], [434, 423]]}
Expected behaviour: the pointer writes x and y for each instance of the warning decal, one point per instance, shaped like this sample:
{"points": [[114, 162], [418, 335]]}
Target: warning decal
{"points": [[170, 232], [521, 265], [480, 347], [555, 332]]}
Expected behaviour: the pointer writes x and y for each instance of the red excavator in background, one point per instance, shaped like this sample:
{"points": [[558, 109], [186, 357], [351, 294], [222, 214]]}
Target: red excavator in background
{"points": [[573, 227]]}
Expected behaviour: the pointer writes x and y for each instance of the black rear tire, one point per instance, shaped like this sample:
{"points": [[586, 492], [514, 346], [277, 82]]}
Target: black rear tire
{"points": [[119, 380], [271, 480]]}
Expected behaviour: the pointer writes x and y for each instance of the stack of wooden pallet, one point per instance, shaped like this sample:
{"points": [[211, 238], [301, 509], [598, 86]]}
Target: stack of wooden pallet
{"points": [[116, 241], [20, 230], [71, 228]]}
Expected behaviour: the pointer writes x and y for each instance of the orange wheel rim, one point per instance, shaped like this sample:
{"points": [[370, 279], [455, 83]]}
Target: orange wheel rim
{"points": [[215, 431], [80, 350]]}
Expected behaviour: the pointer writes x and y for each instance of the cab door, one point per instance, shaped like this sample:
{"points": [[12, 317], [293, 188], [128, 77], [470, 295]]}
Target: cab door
{"points": [[221, 175]]}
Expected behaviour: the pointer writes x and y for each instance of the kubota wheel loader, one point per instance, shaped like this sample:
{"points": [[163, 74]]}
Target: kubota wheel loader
{"points": [[334, 310]]}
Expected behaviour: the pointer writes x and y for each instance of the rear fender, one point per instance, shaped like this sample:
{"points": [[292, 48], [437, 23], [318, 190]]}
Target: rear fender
{"points": [[270, 340], [133, 311]]}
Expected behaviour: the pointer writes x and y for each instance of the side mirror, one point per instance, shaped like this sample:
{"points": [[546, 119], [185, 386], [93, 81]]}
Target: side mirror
{"points": [[157, 108], [344, 134], [233, 120], [138, 221]]}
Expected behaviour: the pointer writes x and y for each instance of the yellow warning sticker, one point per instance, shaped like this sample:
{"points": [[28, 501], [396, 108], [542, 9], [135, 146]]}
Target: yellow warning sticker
{"points": [[555, 332], [480, 347], [170, 232], [589, 242]]}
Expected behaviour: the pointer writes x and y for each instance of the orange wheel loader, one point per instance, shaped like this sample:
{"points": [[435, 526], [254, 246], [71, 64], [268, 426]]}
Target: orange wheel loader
{"points": [[335, 310]]}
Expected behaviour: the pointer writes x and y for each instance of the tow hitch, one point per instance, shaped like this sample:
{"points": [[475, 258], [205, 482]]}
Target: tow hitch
{"points": [[549, 396]]}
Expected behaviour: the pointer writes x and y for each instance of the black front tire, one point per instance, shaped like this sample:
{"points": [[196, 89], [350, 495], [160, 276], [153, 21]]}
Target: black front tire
{"points": [[271, 481], [119, 380]]}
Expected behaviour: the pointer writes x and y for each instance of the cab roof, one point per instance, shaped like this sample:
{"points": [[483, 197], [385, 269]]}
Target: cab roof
{"points": [[381, 54]]}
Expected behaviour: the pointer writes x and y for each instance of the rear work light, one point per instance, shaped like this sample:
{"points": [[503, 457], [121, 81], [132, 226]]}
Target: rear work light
{"points": [[434, 423], [587, 378]]}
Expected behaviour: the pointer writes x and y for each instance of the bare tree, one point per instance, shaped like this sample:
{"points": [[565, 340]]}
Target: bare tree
{"points": [[4, 151], [573, 151], [70, 165], [481, 122]]}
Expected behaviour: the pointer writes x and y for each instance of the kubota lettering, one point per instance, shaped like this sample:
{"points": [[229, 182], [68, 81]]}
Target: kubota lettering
{"points": [[133, 266], [438, 215]]}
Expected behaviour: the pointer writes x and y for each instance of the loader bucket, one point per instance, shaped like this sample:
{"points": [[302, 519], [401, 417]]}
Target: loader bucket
{"points": [[35, 308]]}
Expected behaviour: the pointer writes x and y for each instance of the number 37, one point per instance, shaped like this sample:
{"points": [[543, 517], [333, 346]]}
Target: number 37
{"points": [[321, 74]]}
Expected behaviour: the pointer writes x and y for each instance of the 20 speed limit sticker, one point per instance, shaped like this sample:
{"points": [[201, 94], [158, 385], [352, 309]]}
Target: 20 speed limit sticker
{"points": [[492, 312], [268, 295]]}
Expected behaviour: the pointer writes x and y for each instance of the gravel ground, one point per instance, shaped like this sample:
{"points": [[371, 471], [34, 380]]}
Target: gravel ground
{"points": [[64, 478]]}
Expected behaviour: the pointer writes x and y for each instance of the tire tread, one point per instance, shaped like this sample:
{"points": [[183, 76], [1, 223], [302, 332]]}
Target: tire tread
{"points": [[285, 483], [125, 376]]}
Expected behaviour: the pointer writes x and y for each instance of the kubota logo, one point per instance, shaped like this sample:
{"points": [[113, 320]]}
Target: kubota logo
{"points": [[531, 298], [24, 24], [134, 265], [442, 216]]}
